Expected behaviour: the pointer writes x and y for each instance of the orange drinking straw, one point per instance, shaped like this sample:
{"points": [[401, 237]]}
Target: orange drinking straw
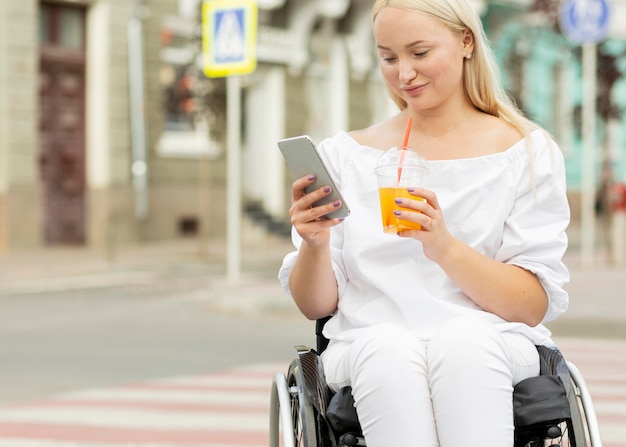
{"points": [[407, 133]]}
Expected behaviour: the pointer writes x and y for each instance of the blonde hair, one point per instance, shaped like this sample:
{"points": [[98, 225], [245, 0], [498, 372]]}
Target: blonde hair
{"points": [[481, 76]]}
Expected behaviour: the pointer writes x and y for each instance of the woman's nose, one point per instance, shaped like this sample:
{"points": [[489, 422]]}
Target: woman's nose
{"points": [[406, 72]]}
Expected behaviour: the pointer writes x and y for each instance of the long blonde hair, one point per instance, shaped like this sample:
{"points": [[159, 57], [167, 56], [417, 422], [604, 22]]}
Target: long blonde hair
{"points": [[481, 76]]}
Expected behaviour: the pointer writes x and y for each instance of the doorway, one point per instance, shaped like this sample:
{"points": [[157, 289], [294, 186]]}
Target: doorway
{"points": [[62, 122]]}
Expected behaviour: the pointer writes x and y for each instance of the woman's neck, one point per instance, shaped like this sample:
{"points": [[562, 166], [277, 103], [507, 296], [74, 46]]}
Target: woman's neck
{"points": [[441, 123]]}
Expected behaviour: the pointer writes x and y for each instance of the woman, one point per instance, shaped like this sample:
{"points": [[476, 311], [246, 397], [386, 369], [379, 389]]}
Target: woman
{"points": [[432, 328]]}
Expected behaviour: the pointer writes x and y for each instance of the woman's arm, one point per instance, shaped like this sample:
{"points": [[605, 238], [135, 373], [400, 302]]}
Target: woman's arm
{"points": [[522, 281], [312, 282], [506, 290]]}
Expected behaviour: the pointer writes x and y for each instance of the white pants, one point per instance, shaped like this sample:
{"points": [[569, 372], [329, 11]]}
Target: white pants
{"points": [[454, 391]]}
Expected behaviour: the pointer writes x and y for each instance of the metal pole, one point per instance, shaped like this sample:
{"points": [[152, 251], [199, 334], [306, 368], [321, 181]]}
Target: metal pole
{"points": [[233, 180], [4, 128], [139, 166], [588, 155]]}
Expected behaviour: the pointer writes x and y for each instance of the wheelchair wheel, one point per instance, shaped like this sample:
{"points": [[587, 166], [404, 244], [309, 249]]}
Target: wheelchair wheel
{"points": [[292, 415], [298, 404], [579, 431], [584, 419], [568, 433], [302, 410]]}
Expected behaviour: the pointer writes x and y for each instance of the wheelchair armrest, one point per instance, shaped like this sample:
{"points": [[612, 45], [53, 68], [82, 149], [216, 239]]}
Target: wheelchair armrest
{"points": [[553, 363], [322, 342], [337, 409], [314, 378]]}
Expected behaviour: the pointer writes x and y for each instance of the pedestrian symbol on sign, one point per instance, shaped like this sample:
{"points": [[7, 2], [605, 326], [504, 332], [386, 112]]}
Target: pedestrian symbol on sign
{"points": [[229, 42], [585, 21], [229, 37]]}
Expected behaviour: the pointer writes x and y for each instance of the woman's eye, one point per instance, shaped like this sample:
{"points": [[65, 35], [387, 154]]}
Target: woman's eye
{"points": [[421, 53]]}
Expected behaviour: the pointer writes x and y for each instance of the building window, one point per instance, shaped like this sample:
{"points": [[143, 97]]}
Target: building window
{"points": [[186, 128], [62, 26]]}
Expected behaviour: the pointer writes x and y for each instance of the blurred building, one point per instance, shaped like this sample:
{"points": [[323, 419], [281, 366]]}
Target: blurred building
{"points": [[110, 134], [83, 88], [543, 71]]}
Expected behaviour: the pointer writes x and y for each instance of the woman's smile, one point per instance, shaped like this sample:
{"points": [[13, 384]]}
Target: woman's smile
{"points": [[414, 90]]}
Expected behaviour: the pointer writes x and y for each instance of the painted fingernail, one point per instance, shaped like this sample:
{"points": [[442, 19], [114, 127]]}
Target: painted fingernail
{"points": [[397, 213], [398, 201], [336, 203], [326, 188], [410, 189], [311, 178], [341, 219]]}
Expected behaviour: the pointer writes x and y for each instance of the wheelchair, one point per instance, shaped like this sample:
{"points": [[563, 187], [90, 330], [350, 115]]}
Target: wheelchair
{"points": [[553, 409]]}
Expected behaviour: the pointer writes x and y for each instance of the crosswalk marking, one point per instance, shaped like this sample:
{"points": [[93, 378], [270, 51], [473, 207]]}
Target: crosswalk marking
{"points": [[217, 396], [603, 366], [138, 418], [231, 408], [46, 443], [226, 408]]}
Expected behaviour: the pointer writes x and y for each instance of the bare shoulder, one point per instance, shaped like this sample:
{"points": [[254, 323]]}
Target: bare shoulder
{"points": [[369, 136], [499, 135], [381, 135], [491, 135], [480, 135]]}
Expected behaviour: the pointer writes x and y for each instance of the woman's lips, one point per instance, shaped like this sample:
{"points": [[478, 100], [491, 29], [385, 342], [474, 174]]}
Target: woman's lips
{"points": [[414, 89]]}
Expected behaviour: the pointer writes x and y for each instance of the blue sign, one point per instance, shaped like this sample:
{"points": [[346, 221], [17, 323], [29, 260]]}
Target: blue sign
{"points": [[585, 21], [229, 37]]}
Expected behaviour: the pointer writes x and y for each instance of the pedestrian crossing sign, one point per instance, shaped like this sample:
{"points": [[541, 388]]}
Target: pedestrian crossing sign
{"points": [[229, 37]]}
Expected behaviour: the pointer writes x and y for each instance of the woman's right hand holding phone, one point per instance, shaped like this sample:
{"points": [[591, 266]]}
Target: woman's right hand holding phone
{"points": [[312, 281], [308, 220]]}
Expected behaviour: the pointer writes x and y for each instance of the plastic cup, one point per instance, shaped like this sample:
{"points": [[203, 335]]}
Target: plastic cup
{"points": [[398, 170]]}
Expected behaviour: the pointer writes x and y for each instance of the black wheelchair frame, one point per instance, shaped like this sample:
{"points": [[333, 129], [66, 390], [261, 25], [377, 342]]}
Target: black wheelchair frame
{"points": [[552, 409]]}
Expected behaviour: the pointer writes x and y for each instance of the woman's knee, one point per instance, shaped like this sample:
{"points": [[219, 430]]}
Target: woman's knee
{"points": [[380, 354], [467, 341], [390, 385], [388, 350]]}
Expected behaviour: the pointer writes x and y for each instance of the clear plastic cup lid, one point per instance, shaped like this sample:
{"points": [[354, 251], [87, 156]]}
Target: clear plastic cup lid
{"points": [[397, 156]]}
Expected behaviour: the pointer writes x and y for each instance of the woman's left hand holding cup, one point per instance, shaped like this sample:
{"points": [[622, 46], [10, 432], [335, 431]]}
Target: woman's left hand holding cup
{"points": [[434, 234]]}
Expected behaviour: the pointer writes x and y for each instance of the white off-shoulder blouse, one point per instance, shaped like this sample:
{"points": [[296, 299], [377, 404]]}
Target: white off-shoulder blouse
{"points": [[510, 206]]}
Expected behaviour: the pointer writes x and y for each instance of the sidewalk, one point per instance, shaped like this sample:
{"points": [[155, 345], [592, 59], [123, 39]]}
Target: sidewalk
{"points": [[256, 290], [597, 300], [597, 294]]}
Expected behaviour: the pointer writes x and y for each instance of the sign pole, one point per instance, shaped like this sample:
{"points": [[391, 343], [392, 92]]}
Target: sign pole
{"points": [[588, 155], [229, 49], [587, 22], [233, 186]]}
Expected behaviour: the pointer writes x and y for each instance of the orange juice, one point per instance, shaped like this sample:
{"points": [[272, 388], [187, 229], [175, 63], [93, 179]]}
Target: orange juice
{"points": [[391, 223]]}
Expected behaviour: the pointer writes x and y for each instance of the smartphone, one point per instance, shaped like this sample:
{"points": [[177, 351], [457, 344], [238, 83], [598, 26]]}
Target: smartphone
{"points": [[303, 159]]}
